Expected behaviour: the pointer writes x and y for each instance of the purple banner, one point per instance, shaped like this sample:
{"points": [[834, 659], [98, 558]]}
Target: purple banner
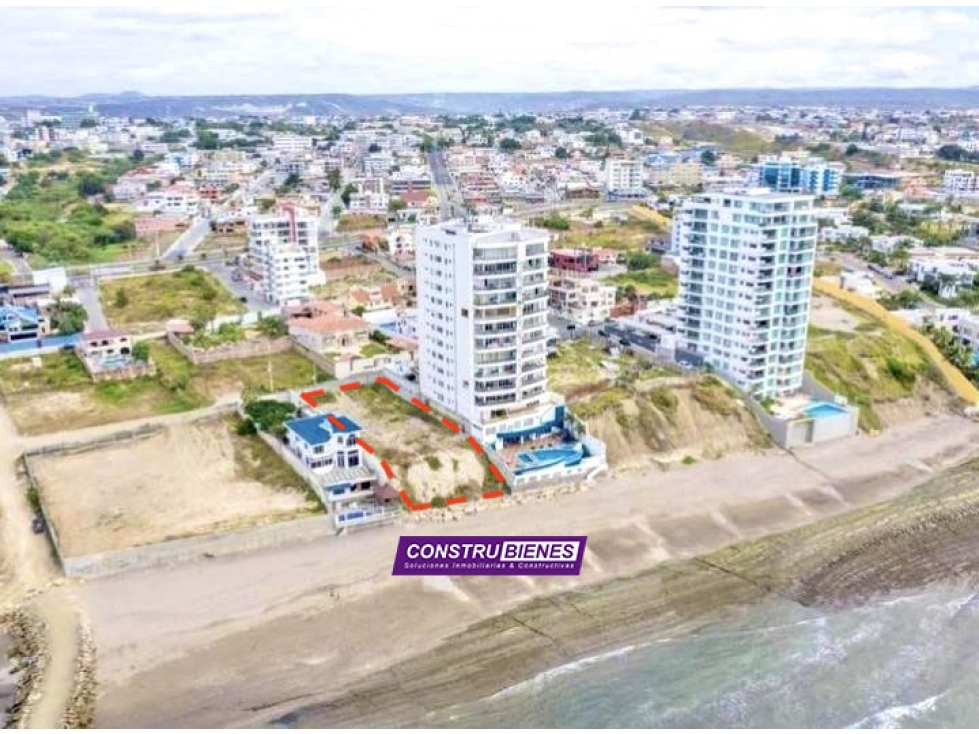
{"points": [[472, 555]]}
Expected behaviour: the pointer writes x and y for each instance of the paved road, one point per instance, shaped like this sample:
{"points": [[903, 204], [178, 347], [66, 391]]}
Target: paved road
{"points": [[225, 273], [88, 295], [189, 240], [450, 199]]}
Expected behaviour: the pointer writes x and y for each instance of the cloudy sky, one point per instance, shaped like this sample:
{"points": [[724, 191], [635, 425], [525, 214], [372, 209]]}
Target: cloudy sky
{"points": [[383, 46]]}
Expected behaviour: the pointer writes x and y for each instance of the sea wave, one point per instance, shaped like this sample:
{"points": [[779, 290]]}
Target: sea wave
{"points": [[548, 675], [894, 716]]}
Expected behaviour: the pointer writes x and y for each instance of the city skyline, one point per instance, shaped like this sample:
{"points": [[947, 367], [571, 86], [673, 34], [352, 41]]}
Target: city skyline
{"points": [[184, 51]]}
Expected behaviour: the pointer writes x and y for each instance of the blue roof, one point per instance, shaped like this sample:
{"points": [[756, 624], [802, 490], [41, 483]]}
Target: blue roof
{"points": [[19, 315], [317, 429]]}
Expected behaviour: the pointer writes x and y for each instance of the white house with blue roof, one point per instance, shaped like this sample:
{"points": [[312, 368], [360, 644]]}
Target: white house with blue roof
{"points": [[332, 453], [21, 323]]}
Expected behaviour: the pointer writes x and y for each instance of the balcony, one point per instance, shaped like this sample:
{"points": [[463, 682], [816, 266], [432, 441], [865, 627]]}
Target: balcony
{"points": [[495, 270], [499, 327], [484, 400], [493, 285], [494, 300], [491, 386], [488, 343], [508, 357]]}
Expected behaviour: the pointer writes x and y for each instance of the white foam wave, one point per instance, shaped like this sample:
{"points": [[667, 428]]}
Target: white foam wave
{"points": [[895, 716], [548, 675]]}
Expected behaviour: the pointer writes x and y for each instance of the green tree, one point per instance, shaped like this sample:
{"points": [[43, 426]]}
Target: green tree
{"points": [[272, 326], [207, 140], [561, 152], [509, 145], [348, 190], [141, 351], [121, 299], [334, 178]]}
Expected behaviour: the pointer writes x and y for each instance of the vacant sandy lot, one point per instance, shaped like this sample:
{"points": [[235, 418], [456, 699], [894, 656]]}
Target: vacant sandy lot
{"points": [[828, 314], [185, 480], [428, 459]]}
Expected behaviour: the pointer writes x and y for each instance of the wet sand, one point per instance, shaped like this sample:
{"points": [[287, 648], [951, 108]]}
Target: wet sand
{"points": [[321, 634], [924, 537]]}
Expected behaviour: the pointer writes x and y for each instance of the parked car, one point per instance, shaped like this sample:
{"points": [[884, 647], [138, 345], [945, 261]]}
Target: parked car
{"points": [[38, 525]]}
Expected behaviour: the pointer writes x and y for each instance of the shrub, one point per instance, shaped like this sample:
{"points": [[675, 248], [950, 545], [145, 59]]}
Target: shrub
{"points": [[270, 415], [439, 501], [663, 399], [433, 463], [245, 427], [903, 373], [141, 351]]}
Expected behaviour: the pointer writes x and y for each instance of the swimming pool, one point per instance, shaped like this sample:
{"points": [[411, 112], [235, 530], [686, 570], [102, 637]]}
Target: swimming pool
{"points": [[824, 410], [567, 454], [114, 361]]}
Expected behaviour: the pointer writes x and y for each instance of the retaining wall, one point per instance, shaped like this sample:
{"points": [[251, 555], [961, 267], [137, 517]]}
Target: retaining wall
{"points": [[241, 350]]}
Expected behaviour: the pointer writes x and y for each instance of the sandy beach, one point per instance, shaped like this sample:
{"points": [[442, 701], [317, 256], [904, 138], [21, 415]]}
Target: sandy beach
{"points": [[248, 639]]}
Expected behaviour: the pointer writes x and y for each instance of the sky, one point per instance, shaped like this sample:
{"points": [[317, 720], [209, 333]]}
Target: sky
{"points": [[382, 46]]}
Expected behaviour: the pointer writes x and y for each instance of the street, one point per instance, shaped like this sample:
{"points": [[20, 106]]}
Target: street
{"points": [[450, 200], [190, 239]]}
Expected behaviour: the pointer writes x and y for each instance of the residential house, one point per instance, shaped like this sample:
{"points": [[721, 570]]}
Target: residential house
{"points": [[335, 333], [328, 446], [22, 323]]}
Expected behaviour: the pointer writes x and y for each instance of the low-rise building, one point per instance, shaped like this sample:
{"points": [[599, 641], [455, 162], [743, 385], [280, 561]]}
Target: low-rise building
{"points": [[22, 323], [958, 183], [283, 256], [580, 299], [331, 333]]}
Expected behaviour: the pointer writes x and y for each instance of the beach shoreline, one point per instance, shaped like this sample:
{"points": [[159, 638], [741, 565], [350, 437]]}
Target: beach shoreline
{"points": [[291, 632]]}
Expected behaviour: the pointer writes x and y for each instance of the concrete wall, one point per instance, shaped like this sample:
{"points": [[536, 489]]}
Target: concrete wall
{"points": [[802, 431], [205, 546], [241, 350], [345, 367]]}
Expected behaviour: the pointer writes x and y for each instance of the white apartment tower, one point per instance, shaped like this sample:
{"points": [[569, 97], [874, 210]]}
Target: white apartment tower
{"points": [[746, 268], [624, 178], [283, 256], [482, 324]]}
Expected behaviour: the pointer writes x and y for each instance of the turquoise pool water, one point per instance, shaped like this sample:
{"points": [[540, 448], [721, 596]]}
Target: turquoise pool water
{"points": [[823, 410], [568, 454]]}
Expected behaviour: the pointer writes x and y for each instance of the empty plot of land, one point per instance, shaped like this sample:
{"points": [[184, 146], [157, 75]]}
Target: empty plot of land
{"points": [[55, 392], [429, 461], [145, 302], [183, 481]]}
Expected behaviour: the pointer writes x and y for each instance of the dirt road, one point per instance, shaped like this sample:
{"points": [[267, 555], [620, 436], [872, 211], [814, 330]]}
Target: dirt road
{"points": [[234, 640], [32, 569]]}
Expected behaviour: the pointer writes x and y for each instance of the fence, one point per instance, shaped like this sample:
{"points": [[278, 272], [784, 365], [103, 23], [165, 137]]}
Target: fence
{"points": [[344, 367], [205, 546], [69, 447], [953, 377], [240, 350]]}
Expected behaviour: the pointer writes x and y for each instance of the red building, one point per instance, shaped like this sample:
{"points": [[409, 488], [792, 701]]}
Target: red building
{"points": [[576, 260]]}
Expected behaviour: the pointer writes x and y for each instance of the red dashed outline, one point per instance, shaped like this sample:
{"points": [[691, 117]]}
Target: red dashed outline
{"points": [[310, 398]]}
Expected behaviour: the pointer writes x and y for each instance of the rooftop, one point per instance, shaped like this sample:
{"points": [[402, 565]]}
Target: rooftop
{"points": [[318, 429]]}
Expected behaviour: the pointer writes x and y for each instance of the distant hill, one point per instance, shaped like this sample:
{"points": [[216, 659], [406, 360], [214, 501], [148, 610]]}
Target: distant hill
{"points": [[140, 105]]}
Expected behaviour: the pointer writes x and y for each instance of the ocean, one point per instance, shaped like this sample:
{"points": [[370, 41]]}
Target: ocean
{"points": [[906, 661]]}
